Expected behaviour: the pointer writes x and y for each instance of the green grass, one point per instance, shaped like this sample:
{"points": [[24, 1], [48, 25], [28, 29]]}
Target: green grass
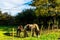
{"points": [[53, 35], [58, 1]]}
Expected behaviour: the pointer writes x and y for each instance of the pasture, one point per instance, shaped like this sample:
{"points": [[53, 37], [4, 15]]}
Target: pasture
{"points": [[45, 35], [58, 1]]}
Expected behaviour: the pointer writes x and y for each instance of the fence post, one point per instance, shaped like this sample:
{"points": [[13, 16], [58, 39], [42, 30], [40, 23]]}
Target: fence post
{"points": [[41, 29], [13, 34], [52, 27], [57, 25], [48, 27]]}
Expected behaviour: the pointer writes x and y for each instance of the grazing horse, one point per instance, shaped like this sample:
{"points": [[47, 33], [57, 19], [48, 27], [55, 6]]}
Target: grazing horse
{"points": [[19, 29], [33, 28]]}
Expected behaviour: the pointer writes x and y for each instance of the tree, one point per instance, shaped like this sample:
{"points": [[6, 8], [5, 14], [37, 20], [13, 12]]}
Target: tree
{"points": [[41, 7], [27, 16], [0, 15], [6, 19], [46, 9], [44, 6]]}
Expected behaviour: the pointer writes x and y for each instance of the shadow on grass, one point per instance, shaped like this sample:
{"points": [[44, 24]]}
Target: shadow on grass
{"points": [[58, 38], [11, 34], [7, 34]]}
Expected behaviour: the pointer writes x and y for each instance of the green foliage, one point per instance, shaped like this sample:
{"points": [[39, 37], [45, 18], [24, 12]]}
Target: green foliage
{"points": [[5, 18], [27, 16], [44, 6]]}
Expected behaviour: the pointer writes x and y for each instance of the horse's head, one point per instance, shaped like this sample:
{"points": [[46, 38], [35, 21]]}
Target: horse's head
{"points": [[20, 27]]}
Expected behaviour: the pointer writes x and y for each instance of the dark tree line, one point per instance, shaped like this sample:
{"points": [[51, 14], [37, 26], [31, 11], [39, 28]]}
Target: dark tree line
{"points": [[28, 17], [5, 18]]}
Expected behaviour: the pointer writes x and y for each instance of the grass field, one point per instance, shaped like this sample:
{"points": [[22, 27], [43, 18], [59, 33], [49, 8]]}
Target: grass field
{"points": [[52, 35], [58, 1]]}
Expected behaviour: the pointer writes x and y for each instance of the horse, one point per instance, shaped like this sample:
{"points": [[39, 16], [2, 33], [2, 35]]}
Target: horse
{"points": [[19, 30], [33, 28]]}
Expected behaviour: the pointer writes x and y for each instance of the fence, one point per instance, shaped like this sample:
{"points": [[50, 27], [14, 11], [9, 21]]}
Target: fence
{"points": [[44, 35]]}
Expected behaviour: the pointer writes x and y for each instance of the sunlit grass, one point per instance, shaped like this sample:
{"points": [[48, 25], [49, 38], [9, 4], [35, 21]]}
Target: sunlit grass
{"points": [[58, 1], [52, 35]]}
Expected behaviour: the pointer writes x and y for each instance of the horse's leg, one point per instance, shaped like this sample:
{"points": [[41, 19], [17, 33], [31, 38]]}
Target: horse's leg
{"points": [[17, 32], [25, 33], [32, 32]]}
